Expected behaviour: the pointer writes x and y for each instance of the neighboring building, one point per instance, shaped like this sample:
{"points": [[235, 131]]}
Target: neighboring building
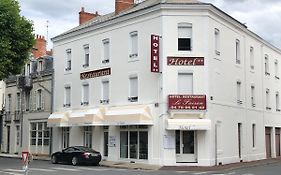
{"points": [[212, 98], [2, 100], [28, 105]]}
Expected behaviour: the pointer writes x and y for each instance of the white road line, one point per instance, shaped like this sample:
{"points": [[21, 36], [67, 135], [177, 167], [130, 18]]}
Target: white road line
{"points": [[200, 173], [93, 169], [13, 173], [14, 170], [65, 169], [41, 169]]}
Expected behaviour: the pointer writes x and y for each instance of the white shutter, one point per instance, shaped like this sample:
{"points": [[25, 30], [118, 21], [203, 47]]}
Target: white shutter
{"points": [[185, 83], [106, 50], [134, 86], [86, 93], [105, 91], [184, 31], [134, 38]]}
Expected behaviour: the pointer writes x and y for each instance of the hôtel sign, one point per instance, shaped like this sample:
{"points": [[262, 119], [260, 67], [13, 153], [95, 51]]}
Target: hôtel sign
{"points": [[154, 53], [187, 102], [95, 73], [185, 61]]}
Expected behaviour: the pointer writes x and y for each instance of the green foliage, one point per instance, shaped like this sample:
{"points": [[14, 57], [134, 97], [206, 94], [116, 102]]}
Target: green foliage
{"points": [[16, 38]]}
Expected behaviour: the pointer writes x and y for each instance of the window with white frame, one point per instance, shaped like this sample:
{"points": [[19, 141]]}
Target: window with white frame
{"points": [[252, 58], [28, 69], [86, 55], [184, 36], [65, 137], [185, 83], [134, 44], [133, 97], [18, 102], [237, 51], [39, 134], [277, 101], [238, 92], [253, 96], [254, 135], [266, 65], [40, 99], [276, 69], [40, 66], [106, 51], [105, 92], [267, 98], [217, 41], [67, 96], [85, 94], [88, 136], [68, 60]]}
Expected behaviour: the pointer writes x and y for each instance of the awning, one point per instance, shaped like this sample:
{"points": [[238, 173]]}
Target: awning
{"points": [[88, 117], [128, 115], [188, 124], [58, 119]]}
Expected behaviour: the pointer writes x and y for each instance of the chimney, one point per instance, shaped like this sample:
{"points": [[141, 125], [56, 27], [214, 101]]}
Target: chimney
{"points": [[86, 16], [39, 47], [121, 5]]}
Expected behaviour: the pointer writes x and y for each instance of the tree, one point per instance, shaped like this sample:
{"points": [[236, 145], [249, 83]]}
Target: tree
{"points": [[16, 38]]}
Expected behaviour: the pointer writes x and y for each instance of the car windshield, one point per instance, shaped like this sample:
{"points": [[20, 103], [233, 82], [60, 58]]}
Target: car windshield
{"points": [[82, 148]]}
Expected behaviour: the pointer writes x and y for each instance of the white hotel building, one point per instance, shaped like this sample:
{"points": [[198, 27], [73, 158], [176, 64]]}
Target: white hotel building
{"points": [[226, 79]]}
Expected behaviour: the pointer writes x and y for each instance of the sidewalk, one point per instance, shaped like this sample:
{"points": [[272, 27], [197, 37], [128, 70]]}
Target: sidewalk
{"points": [[19, 156]]}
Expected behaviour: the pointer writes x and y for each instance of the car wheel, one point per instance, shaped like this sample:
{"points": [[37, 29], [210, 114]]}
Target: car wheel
{"points": [[74, 161], [54, 159]]}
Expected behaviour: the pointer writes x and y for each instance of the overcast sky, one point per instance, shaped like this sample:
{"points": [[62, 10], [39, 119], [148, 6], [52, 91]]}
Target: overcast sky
{"points": [[261, 16]]}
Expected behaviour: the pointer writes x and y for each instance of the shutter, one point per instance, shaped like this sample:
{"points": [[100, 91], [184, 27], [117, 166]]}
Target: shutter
{"points": [[134, 86], [184, 31], [105, 90], [185, 83], [30, 101], [42, 99], [35, 101]]}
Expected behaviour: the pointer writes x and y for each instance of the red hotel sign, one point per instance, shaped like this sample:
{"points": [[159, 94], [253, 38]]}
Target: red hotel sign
{"points": [[155, 53], [185, 61], [187, 102], [95, 73]]}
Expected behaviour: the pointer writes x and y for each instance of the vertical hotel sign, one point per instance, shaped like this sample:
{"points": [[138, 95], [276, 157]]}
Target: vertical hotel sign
{"points": [[155, 53]]}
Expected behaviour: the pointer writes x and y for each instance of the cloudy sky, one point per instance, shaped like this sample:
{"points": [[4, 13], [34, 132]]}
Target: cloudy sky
{"points": [[261, 16]]}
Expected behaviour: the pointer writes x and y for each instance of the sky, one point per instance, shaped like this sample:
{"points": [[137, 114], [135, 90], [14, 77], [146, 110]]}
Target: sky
{"points": [[261, 16]]}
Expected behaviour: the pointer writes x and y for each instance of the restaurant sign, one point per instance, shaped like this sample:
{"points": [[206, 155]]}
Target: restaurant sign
{"points": [[187, 102], [155, 53], [185, 61], [95, 73]]}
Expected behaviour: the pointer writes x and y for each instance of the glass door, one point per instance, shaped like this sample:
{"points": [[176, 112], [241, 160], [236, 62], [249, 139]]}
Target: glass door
{"points": [[186, 146]]}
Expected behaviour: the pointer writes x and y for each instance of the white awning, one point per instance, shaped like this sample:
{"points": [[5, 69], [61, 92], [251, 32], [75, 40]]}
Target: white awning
{"points": [[87, 117], [128, 115], [58, 119], [188, 124]]}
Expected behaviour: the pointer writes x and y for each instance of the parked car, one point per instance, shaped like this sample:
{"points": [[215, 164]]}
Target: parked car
{"points": [[76, 155]]}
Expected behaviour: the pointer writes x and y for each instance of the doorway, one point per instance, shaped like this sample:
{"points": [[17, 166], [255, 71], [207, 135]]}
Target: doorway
{"points": [[268, 142], [277, 141], [186, 146], [8, 139]]}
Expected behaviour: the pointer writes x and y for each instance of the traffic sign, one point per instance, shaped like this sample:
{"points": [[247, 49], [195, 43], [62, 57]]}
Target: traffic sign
{"points": [[25, 156]]}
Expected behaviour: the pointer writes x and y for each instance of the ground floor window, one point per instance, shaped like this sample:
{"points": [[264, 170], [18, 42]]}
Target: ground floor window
{"points": [[105, 141], [88, 136], [39, 134], [65, 137], [134, 142]]}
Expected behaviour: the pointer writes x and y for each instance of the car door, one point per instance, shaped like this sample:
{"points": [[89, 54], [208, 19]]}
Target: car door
{"points": [[66, 155]]}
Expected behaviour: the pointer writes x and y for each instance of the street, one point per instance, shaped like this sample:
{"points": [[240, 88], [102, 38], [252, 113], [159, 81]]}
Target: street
{"points": [[12, 166]]}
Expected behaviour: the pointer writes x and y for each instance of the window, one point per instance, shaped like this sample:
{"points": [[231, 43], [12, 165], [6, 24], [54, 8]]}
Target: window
{"points": [[252, 64], [106, 51], [276, 69], [267, 92], [27, 101], [9, 102], [238, 92], [18, 102], [105, 92], [40, 100], [65, 137], [185, 83], [184, 36], [18, 134], [134, 143], [40, 67], [266, 65], [134, 44], [253, 96], [85, 94], [133, 89], [27, 69], [39, 134], [88, 136], [67, 96], [86, 55], [254, 135], [277, 102], [105, 141], [68, 60], [217, 41], [237, 51]]}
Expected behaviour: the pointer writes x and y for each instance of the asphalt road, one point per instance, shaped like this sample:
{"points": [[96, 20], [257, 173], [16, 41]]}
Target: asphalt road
{"points": [[12, 166]]}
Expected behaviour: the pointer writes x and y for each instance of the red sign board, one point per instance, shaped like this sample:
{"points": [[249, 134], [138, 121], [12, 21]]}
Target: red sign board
{"points": [[24, 156], [187, 102], [95, 73], [185, 61], [155, 53]]}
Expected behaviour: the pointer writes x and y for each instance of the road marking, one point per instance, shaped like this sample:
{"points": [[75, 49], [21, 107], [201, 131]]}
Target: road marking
{"points": [[14, 170], [65, 169], [93, 169], [200, 173], [41, 169]]}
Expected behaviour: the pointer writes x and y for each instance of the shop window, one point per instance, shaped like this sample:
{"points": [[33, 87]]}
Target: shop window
{"points": [[67, 96], [133, 89], [85, 94], [237, 51], [134, 44], [106, 51], [68, 60], [39, 134], [88, 136], [217, 41], [86, 56], [252, 58], [185, 83], [105, 92], [184, 36], [65, 137], [266, 65]]}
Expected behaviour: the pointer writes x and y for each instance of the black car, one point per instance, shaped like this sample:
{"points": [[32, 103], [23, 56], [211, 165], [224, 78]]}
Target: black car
{"points": [[77, 155]]}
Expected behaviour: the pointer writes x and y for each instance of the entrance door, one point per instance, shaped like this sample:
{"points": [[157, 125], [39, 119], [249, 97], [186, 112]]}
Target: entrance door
{"points": [[277, 141], [239, 140], [268, 142], [186, 146], [8, 139]]}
